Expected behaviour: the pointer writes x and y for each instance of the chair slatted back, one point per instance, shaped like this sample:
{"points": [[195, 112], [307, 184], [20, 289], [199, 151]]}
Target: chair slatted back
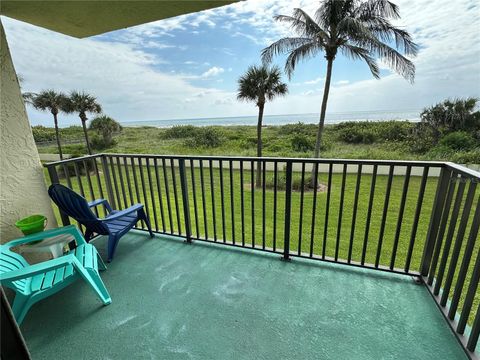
{"points": [[11, 261], [76, 206]]}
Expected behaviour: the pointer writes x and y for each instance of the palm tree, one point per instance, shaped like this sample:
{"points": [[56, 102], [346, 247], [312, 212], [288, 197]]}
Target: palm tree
{"points": [[259, 84], [28, 97], [361, 30], [49, 100], [83, 103], [107, 127]]}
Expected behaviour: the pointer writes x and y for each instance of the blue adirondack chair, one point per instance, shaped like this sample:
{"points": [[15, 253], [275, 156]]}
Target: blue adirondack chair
{"points": [[115, 225], [33, 283]]}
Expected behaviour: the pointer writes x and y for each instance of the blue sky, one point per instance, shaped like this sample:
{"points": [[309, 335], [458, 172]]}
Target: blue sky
{"points": [[188, 66]]}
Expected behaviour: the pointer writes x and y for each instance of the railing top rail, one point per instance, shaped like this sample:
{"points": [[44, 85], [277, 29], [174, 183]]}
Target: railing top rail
{"points": [[452, 166], [462, 170], [288, 159], [59, 162]]}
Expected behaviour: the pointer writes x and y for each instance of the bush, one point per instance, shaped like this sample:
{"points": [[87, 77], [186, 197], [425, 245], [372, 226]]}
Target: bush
{"points": [[458, 140], [368, 132], [422, 138], [393, 130], [180, 132], [249, 142], [42, 133], [100, 143], [296, 181], [206, 137], [466, 157], [298, 128], [106, 127], [302, 143], [353, 133], [452, 115]]}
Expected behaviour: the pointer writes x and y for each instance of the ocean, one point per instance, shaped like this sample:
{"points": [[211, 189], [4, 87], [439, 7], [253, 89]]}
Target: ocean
{"points": [[331, 118]]}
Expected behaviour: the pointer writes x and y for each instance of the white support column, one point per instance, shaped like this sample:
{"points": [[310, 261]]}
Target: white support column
{"points": [[23, 189]]}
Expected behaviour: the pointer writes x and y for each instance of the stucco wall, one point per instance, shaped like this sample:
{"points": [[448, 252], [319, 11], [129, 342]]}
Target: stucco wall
{"points": [[22, 186]]}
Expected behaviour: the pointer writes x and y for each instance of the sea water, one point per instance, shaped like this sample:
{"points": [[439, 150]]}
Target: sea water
{"points": [[331, 118]]}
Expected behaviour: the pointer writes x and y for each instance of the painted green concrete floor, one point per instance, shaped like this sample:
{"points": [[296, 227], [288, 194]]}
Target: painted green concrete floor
{"points": [[177, 301]]}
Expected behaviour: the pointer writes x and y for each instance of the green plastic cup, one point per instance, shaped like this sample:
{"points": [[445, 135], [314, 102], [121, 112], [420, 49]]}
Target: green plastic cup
{"points": [[32, 224]]}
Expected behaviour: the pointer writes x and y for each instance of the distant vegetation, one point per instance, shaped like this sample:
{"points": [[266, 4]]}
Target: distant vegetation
{"points": [[457, 140]]}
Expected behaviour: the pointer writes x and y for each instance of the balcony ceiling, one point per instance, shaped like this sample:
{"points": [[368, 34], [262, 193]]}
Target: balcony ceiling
{"points": [[87, 18]]}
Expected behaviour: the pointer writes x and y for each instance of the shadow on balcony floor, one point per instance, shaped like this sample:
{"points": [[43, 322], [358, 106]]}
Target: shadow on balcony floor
{"points": [[178, 301]]}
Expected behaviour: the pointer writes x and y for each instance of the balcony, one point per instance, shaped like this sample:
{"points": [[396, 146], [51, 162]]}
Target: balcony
{"points": [[373, 250], [172, 300]]}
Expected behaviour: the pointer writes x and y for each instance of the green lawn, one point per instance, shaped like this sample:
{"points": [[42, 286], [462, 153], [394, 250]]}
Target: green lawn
{"points": [[253, 222]]}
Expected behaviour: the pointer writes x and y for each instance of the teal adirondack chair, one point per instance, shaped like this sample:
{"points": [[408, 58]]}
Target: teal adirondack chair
{"points": [[33, 283]]}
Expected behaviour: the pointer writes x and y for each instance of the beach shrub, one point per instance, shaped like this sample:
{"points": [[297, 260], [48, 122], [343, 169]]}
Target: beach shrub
{"points": [[296, 181], [452, 115], [356, 133], [180, 132], [249, 142], [302, 143], [368, 132], [298, 128], [207, 136], [42, 133], [466, 157], [100, 143], [459, 140], [393, 130], [422, 138], [106, 127]]}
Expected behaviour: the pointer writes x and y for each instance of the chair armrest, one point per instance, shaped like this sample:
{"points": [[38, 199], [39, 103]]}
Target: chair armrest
{"points": [[70, 229], [103, 202], [35, 269], [122, 213]]}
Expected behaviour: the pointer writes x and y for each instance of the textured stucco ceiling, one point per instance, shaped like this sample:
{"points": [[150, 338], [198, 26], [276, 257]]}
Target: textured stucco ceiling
{"points": [[87, 18]]}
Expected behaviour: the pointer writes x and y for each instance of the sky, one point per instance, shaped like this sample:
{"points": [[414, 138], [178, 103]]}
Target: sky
{"points": [[188, 66]]}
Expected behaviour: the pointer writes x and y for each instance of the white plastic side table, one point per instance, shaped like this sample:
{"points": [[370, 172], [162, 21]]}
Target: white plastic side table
{"points": [[53, 244]]}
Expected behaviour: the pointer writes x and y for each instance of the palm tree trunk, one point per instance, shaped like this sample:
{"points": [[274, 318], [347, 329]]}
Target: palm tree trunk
{"points": [[259, 145], [321, 123], [323, 111], [85, 132], [57, 134]]}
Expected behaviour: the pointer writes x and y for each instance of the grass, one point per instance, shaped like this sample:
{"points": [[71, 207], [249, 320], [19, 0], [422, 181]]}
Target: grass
{"points": [[266, 228]]}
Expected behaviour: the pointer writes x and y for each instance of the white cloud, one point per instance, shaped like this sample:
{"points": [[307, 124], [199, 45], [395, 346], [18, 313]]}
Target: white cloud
{"points": [[225, 101], [202, 18], [315, 81], [254, 39], [308, 93], [213, 71], [342, 82], [124, 79]]}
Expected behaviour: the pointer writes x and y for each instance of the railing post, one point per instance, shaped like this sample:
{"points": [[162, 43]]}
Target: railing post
{"points": [[437, 210], [186, 207], [108, 181], [288, 211], [52, 172]]}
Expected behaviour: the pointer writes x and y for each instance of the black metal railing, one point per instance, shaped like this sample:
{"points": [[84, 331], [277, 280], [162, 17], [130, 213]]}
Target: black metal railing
{"points": [[409, 217]]}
